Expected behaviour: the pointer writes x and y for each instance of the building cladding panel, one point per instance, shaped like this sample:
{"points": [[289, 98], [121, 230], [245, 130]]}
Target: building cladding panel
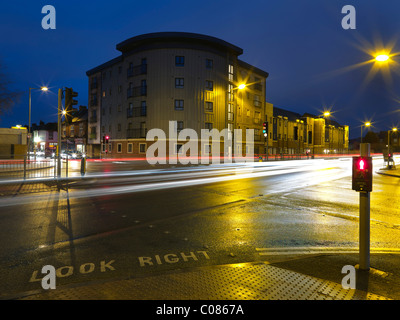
{"points": [[154, 86]]}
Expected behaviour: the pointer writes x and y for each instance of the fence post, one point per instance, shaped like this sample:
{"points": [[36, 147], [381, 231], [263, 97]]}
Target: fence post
{"points": [[24, 167]]}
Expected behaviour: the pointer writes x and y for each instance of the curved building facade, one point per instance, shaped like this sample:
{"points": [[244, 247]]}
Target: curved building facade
{"points": [[192, 79]]}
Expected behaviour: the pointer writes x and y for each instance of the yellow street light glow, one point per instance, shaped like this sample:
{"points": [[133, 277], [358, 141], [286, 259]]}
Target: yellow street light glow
{"points": [[367, 124], [382, 57], [327, 113], [394, 129], [242, 86], [44, 88]]}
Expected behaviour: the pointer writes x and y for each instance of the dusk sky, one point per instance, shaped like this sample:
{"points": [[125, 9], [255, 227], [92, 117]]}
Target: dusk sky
{"points": [[311, 59]]}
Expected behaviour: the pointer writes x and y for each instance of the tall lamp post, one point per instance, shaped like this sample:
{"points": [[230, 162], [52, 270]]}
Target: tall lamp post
{"points": [[367, 124], [30, 107]]}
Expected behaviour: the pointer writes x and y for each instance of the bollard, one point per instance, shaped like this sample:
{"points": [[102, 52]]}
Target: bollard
{"points": [[83, 166]]}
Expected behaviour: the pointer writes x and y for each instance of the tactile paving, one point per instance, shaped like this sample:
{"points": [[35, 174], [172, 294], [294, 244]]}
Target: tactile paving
{"points": [[229, 282]]}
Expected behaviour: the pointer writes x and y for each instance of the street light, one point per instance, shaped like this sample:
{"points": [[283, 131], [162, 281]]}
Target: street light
{"points": [[242, 86], [389, 134], [43, 88], [382, 57], [367, 124]]}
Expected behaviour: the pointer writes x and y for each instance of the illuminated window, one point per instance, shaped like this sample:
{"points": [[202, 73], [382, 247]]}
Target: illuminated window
{"points": [[230, 72], [209, 106]]}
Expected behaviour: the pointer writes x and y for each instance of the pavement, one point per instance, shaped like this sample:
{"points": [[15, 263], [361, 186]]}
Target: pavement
{"points": [[302, 274], [283, 274], [394, 172]]}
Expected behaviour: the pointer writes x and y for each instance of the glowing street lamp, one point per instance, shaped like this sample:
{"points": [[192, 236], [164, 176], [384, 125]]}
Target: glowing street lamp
{"points": [[382, 57], [43, 88], [366, 124], [242, 86]]}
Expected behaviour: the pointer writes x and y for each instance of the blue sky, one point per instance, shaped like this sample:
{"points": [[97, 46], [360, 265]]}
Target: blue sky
{"points": [[301, 43]]}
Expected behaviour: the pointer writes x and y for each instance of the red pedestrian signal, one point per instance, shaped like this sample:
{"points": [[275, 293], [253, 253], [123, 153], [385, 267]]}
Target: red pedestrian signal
{"points": [[362, 174]]}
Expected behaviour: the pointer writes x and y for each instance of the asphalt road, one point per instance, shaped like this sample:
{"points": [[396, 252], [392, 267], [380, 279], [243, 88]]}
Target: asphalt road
{"points": [[120, 223]]}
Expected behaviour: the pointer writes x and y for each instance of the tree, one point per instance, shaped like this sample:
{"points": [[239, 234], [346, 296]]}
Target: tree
{"points": [[371, 137], [8, 97]]}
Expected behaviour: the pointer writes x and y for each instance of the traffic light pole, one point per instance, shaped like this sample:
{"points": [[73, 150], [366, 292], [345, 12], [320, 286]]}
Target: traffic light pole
{"points": [[364, 232]]}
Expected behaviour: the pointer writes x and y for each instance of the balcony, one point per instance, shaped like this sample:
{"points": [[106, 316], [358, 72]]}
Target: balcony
{"points": [[136, 112], [137, 70], [137, 92], [257, 103], [136, 133]]}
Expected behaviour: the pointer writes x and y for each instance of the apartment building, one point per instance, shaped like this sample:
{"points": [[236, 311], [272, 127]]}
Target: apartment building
{"points": [[188, 78], [293, 133]]}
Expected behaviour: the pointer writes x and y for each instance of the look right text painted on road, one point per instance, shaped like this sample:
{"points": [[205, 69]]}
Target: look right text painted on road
{"points": [[172, 258]]}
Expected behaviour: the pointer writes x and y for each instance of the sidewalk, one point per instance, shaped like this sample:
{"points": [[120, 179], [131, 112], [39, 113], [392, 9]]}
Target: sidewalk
{"points": [[390, 172], [291, 277]]}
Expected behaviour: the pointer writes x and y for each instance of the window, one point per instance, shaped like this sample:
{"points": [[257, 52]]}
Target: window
{"points": [[209, 125], [179, 83], [179, 126], [178, 148], [179, 61], [129, 111], [143, 109], [209, 85], [119, 147], [209, 106], [230, 72], [119, 127], [130, 148], [179, 105], [230, 92], [209, 63], [142, 148]]}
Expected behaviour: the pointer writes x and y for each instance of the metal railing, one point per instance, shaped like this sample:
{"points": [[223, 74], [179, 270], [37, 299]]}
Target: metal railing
{"points": [[27, 167]]}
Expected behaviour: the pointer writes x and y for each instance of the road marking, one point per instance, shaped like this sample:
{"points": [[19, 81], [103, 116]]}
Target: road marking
{"points": [[172, 258], [319, 250], [85, 268]]}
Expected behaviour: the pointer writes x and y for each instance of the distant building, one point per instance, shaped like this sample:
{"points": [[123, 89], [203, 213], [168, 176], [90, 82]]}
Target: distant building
{"points": [[293, 133], [74, 130], [13, 142], [192, 79], [44, 137]]}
